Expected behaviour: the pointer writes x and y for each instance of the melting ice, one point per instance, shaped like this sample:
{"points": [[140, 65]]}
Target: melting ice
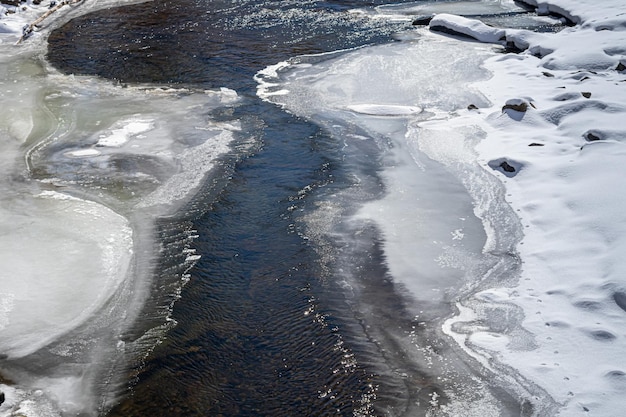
{"points": [[399, 86], [85, 169], [417, 183]]}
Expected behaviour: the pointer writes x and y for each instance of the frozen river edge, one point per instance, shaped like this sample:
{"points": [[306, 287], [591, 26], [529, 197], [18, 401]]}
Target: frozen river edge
{"points": [[552, 135], [89, 170], [555, 139]]}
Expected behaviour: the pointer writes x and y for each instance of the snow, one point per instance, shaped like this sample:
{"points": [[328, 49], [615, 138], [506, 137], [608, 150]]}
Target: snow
{"points": [[569, 193], [548, 125], [469, 27]]}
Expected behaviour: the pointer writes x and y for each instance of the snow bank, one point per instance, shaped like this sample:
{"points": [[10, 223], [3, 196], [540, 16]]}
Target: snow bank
{"points": [[468, 27], [560, 154]]}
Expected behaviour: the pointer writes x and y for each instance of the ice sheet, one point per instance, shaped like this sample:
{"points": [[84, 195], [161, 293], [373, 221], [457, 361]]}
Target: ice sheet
{"points": [[432, 241], [85, 168], [55, 277]]}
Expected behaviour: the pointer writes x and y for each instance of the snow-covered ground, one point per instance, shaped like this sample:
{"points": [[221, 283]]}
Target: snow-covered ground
{"points": [[564, 177]]}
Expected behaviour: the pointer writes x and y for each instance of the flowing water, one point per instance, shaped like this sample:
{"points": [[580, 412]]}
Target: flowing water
{"points": [[284, 239]]}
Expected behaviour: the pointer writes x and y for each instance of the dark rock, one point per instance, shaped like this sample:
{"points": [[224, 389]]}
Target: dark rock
{"points": [[507, 167], [620, 67], [422, 20], [511, 47], [536, 144], [586, 94], [449, 31], [520, 107], [620, 299], [585, 78], [12, 2], [547, 74], [472, 107], [591, 137], [2, 397], [37, 2], [602, 335]]}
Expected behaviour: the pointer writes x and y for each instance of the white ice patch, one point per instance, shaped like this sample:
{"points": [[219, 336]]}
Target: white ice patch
{"points": [[457, 7], [384, 110], [119, 136], [55, 277], [82, 153], [397, 78]]}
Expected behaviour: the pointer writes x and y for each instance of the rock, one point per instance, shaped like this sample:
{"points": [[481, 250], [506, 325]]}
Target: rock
{"points": [[620, 67], [517, 105], [422, 20], [507, 167], [620, 299], [547, 74], [536, 144], [472, 107], [2, 397], [586, 94], [593, 136], [12, 2]]}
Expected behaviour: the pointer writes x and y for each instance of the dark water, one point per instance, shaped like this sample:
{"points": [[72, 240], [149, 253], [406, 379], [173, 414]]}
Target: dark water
{"points": [[262, 329], [207, 43]]}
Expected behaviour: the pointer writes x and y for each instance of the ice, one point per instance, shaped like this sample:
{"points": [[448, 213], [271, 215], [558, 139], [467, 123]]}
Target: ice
{"points": [[460, 8], [391, 78], [369, 100], [548, 125], [86, 167], [54, 277], [384, 110], [121, 135]]}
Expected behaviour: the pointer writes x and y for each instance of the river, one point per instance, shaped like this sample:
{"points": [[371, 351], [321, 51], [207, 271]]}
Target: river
{"points": [[298, 241]]}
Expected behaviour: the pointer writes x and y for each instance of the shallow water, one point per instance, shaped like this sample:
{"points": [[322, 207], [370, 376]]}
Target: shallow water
{"points": [[296, 305]]}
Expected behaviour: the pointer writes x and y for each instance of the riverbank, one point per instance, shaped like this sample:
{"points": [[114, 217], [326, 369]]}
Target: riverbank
{"points": [[555, 138]]}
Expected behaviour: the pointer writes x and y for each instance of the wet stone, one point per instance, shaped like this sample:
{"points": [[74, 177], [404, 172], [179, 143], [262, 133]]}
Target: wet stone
{"points": [[507, 167], [422, 20], [592, 137]]}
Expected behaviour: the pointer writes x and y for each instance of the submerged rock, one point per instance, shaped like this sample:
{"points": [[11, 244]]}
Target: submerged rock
{"points": [[507, 167], [422, 20]]}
